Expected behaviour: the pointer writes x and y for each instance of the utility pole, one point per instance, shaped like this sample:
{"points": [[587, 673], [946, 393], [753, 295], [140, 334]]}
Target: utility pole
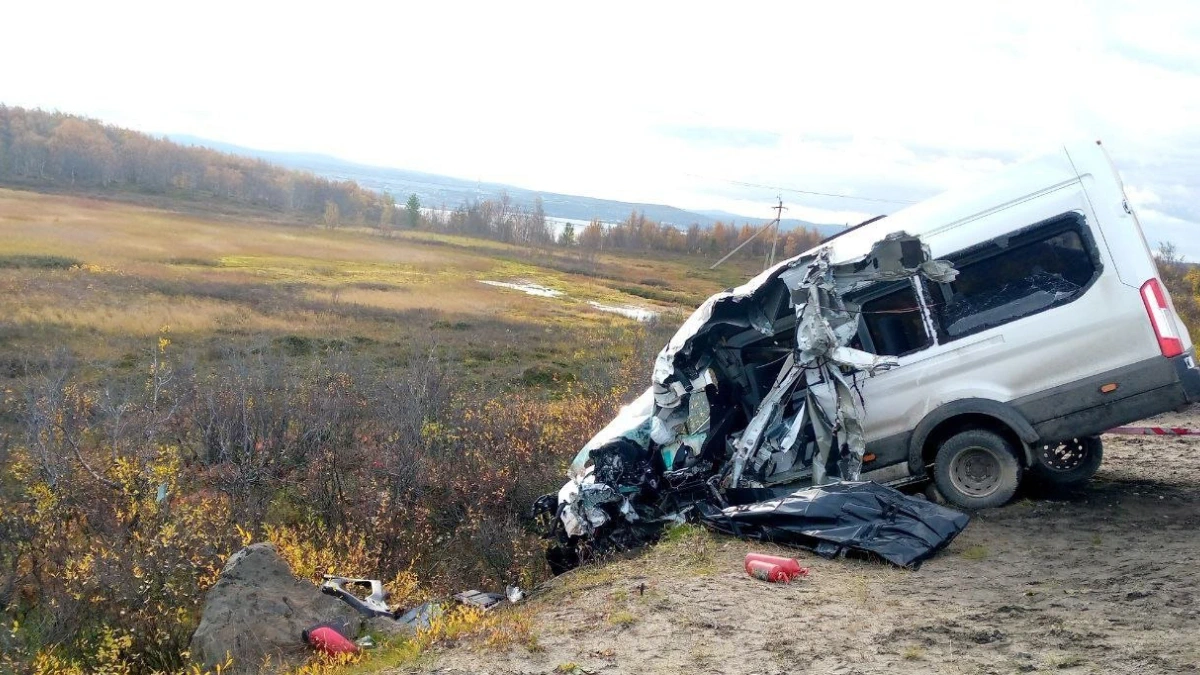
{"points": [[779, 209], [778, 212]]}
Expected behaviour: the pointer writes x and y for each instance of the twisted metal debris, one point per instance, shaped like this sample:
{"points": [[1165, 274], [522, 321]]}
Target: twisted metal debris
{"points": [[756, 389]]}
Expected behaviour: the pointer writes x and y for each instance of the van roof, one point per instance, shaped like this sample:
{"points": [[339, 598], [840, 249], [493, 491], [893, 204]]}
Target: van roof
{"points": [[1011, 185]]}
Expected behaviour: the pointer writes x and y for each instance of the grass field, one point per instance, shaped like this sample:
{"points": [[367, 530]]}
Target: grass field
{"points": [[102, 279], [359, 400]]}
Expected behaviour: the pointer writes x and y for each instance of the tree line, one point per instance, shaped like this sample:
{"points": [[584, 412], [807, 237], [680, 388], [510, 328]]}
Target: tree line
{"points": [[637, 233], [503, 220], [58, 150], [53, 149]]}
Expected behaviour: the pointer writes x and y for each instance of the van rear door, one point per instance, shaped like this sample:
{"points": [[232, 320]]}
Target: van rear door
{"points": [[1123, 236]]}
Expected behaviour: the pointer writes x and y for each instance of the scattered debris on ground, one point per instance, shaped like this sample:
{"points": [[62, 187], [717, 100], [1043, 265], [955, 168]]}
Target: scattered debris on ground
{"points": [[1101, 579], [375, 604], [259, 612]]}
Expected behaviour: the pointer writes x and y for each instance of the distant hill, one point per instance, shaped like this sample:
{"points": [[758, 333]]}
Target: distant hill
{"points": [[435, 190], [70, 153]]}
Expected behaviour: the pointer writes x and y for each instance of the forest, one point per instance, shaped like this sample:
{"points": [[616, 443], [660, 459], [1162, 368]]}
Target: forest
{"points": [[52, 150], [69, 153]]}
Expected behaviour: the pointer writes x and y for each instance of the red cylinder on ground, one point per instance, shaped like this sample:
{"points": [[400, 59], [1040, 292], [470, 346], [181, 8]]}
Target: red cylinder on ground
{"points": [[328, 639], [789, 566], [765, 571]]}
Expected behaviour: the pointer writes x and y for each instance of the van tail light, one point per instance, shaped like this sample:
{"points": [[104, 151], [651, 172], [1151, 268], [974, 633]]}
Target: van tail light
{"points": [[1161, 319]]}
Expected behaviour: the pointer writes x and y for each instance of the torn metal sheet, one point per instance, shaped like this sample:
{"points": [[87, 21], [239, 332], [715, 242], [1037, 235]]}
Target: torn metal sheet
{"points": [[422, 616], [374, 604], [758, 387], [479, 599]]}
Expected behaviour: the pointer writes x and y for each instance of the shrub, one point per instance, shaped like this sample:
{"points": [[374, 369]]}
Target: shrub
{"points": [[121, 496], [41, 262]]}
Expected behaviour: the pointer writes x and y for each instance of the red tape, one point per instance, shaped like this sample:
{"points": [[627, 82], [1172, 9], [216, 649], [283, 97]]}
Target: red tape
{"points": [[1154, 431]]}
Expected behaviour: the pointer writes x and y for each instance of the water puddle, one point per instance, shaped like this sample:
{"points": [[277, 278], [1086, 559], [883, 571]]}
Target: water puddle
{"points": [[635, 313], [531, 289], [629, 311]]}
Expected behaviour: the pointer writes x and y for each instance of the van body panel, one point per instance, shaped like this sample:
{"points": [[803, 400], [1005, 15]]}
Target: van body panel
{"points": [[1118, 221], [1111, 207], [1045, 369], [1131, 380], [1083, 409], [1189, 375], [952, 209], [995, 364], [888, 451], [1093, 420]]}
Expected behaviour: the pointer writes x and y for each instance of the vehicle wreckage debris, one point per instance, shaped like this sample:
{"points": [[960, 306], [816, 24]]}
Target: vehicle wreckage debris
{"points": [[479, 599], [756, 394], [373, 605], [412, 619]]}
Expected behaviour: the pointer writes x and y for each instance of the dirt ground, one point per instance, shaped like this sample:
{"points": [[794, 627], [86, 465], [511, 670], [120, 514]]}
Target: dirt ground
{"points": [[1103, 580]]}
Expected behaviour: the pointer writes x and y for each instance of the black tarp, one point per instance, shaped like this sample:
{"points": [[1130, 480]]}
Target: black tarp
{"points": [[843, 517]]}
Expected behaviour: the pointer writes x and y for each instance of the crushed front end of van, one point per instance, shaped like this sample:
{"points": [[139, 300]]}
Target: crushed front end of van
{"points": [[757, 394]]}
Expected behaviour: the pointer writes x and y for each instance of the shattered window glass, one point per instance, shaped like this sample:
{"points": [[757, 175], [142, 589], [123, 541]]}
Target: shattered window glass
{"points": [[891, 323], [1013, 280]]}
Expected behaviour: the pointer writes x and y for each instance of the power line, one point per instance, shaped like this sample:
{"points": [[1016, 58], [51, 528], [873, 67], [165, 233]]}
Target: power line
{"points": [[805, 192], [775, 222]]}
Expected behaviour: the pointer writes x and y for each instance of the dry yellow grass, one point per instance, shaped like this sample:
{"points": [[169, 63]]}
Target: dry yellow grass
{"points": [[124, 271]]}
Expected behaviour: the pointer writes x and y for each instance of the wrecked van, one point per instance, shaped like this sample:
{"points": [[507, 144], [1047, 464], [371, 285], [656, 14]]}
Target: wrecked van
{"points": [[985, 335], [1056, 328]]}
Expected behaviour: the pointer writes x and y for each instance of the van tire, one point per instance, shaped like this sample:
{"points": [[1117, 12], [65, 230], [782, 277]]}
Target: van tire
{"points": [[1057, 466], [977, 469]]}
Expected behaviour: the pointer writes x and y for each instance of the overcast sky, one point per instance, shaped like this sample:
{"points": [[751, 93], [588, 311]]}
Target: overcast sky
{"points": [[670, 103]]}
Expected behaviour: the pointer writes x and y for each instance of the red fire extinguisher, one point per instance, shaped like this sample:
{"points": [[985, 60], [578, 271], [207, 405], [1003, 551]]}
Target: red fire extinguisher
{"points": [[773, 568], [329, 638]]}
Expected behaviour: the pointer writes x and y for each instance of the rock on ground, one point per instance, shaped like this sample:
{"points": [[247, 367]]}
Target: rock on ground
{"points": [[257, 610]]}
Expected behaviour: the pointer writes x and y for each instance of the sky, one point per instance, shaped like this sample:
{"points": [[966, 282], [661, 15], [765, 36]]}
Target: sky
{"points": [[694, 104]]}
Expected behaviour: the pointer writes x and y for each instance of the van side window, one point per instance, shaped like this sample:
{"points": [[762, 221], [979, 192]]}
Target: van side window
{"points": [[890, 321], [1013, 277]]}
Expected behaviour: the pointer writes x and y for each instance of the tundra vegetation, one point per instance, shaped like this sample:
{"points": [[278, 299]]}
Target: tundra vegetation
{"points": [[291, 359], [175, 385]]}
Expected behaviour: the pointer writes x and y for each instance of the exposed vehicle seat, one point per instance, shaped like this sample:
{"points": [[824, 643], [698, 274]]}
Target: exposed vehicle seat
{"points": [[893, 339]]}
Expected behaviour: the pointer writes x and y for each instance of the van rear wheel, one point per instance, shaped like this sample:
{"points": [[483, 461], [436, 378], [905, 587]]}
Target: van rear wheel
{"points": [[977, 469], [1068, 464]]}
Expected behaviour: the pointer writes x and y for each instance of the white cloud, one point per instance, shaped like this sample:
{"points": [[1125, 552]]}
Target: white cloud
{"points": [[891, 100]]}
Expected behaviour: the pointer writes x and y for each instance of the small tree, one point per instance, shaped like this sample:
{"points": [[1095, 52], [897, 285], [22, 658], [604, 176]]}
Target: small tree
{"points": [[1183, 283], [591, 240], [387, 213], [332, 216], [412, 211], [567, 238]]}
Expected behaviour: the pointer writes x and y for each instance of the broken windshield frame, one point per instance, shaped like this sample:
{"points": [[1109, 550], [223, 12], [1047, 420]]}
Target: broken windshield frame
{"points": [[891, 319], [1026, 272]]}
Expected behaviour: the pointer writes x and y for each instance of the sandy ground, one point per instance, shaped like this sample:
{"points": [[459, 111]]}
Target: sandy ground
{"points": [[1104, 580]]}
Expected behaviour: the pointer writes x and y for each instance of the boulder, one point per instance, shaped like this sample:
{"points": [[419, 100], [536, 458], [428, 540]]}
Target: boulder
{"points": [[257, 610]]}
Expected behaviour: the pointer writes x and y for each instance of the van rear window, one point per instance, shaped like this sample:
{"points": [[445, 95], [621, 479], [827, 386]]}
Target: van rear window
{"points": [[1014, 277]]}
